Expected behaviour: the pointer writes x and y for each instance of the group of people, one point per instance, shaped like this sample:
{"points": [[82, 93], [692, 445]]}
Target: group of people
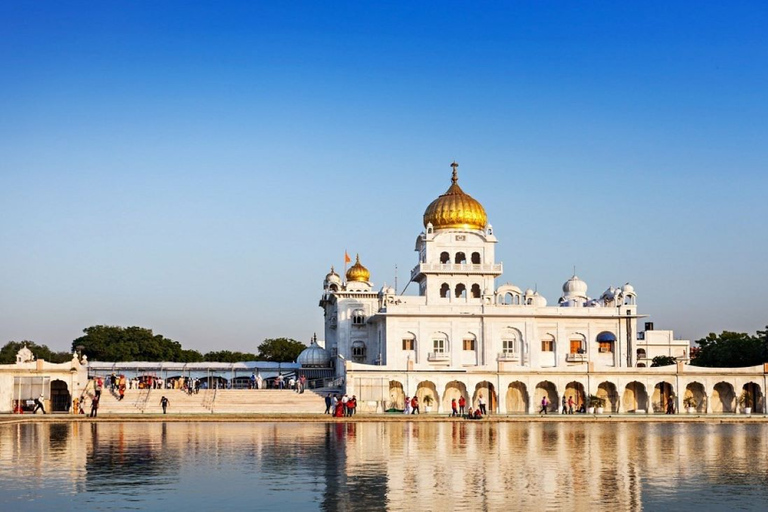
{"points": [[566, 403], [340, 407], [459, 408]]}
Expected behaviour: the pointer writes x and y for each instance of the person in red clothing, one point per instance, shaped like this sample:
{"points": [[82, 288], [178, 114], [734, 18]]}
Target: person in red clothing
{"points": [[454, 412], [351, 405], [415, 405], [339, 412], [462, 404]]}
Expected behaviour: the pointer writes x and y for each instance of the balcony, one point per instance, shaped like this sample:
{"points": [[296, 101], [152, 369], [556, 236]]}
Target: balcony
{"points": [[509, 356], [439, 357], [575, 358], [457, 268]]}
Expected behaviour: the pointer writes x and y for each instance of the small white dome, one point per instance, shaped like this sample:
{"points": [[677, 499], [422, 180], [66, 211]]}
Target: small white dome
{"points": [[539, 300], [528, 292], [314, 356], [575, 287], [627, 288]]}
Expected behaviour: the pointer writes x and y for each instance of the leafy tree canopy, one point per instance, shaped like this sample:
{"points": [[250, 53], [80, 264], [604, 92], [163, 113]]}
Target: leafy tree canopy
{"points": [[280, 350], [227, 356], [732, 350], [663, 361], [112, 343], [10, 349]]}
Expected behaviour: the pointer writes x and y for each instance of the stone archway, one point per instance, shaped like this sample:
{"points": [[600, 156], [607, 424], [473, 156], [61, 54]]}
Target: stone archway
{"points": [[607, 391], [635, 397], [576, 390], [61, 400], [549, 390], [662, 393], [487, 391], [758, 400], [454, 389], [696, 391], [426, 389], [396, 395], [517, 398], [723, 398]]}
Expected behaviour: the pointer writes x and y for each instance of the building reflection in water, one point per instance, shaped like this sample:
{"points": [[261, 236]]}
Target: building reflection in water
{"points": [[393, 465]]}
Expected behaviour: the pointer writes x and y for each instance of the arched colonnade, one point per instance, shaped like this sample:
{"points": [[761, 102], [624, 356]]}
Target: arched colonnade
{"points": [[631, 394]]}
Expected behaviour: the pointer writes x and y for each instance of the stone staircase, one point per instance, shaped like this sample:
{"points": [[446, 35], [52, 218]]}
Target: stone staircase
{"points": [[217, 401]]}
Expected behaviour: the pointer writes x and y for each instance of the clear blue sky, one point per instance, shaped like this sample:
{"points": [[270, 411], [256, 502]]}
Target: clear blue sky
{"points": [[196, 167]]}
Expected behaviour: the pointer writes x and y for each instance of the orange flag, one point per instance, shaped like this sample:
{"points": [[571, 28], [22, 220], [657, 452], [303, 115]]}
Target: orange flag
{"points": [[347, 259]]}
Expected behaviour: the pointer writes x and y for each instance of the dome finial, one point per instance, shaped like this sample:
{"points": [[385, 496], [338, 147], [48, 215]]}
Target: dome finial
{"points": [[455, 175]]}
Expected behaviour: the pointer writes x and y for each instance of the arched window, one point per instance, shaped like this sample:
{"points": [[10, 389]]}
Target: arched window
{"points": [[409, 341], [641, 353], [548, 344], [461, 291], [445, 257], [476, 258], [334, 288], [605, 341], [358, 351], [445, 290], [469, 343], [358, 317], [460, 257], [476, 291]]}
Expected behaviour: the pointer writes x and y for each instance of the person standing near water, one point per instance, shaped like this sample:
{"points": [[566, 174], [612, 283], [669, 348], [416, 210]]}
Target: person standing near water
{"points": [[165, 403], [39, 404], [544, 404]]}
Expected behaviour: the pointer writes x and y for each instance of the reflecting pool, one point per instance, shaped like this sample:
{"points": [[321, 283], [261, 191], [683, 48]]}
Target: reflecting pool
{"points": [[383, 466]]}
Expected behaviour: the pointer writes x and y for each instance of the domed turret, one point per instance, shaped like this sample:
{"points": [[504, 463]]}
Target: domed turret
{"points": [[332, 280], [575, 287], [455, 209], [358, 272], [314, 356]]}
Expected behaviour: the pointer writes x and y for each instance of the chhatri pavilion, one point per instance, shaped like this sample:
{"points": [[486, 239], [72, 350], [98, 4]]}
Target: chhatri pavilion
{"points": [[464, 334]]}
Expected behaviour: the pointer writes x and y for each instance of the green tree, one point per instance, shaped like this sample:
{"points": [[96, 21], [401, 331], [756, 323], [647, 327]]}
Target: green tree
{"points": [[10, 349], [280, 350], [112, 343], [663, 361], [731, 350], [227, 356]]}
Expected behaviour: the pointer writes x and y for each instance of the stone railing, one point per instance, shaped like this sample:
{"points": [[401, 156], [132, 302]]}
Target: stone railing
{"points": [[438, 356], [509, 356], [576, 358]]}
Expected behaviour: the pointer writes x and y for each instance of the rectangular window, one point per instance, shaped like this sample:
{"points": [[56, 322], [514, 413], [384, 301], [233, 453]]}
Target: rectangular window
{"points": [[605, 346], [508, 346], [576, 347], [469, 344], [547, 345], [407, 344], [438, 345]]}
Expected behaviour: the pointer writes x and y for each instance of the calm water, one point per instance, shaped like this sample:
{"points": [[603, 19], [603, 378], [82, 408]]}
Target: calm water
{"points": [[383, 466]]}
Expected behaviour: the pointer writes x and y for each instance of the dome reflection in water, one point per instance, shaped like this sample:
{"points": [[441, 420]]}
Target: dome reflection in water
{"points": [[383, 466]]}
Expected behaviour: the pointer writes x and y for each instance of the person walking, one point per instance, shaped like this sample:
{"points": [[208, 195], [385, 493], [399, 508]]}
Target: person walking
{"points": [[39, 404], [327, 404], [570, 405], [454, 411], [165, 403], [95, 405], [415, 405], [544, 404], [565, 406]]}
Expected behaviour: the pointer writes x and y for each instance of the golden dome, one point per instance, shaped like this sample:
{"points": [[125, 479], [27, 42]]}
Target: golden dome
{"points": [[455, 209], [357, 272]]}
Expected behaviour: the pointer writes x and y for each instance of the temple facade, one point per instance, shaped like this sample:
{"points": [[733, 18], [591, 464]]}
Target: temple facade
{"points": [[463, 334]]}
